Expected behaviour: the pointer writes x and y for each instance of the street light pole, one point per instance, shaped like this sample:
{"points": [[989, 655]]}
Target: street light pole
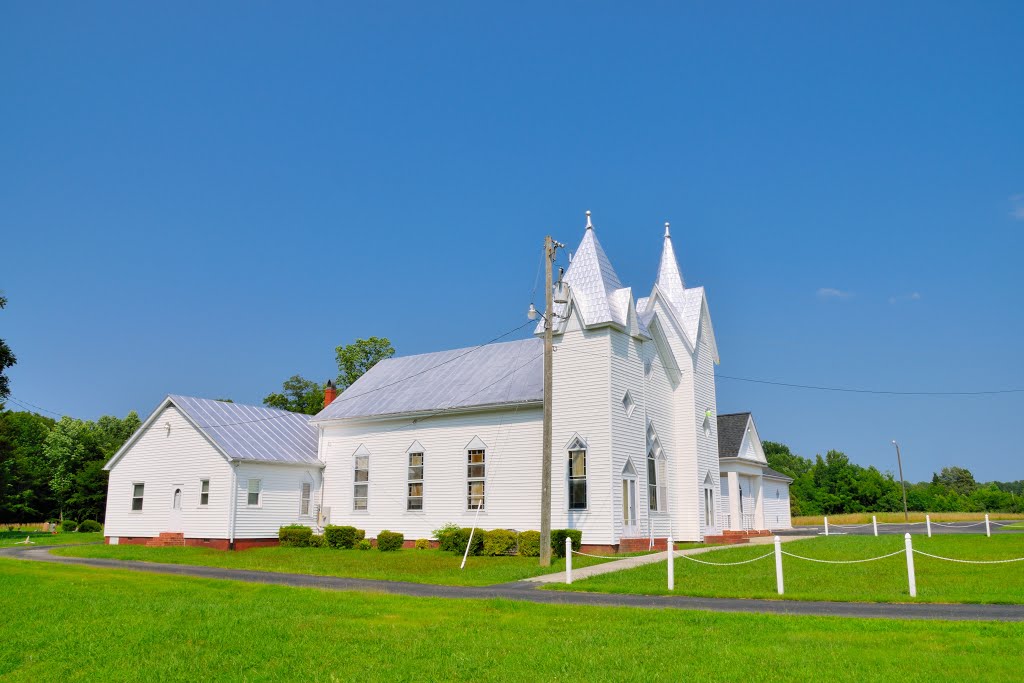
{"points": [[545, 470], [899, 462]]}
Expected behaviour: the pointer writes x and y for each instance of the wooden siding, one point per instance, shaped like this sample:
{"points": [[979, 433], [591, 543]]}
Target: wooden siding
{"points": [[279, 498]]}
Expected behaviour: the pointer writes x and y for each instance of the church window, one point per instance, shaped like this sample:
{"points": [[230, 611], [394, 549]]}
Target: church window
{"points": [[578, 480], [415, 497], [628, 404], [476, 464], [361, 487], [656, 493]]}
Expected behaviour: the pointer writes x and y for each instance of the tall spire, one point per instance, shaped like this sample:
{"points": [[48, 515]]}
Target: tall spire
{"points": [[591, 278], [670, 279]]}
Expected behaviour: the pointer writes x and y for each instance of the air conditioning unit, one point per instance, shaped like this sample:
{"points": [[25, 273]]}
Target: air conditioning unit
{"points": [[323, 516]]}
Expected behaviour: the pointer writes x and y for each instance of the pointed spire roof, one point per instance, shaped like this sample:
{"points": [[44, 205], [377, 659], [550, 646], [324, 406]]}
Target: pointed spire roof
{"points": [[592, 279], [670, 279]]}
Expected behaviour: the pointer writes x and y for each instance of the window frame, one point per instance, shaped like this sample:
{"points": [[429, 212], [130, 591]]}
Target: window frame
{"points": [[204, 490], [480, 479], [357, 482], [570, 497], [411, 481], [141, 498], [249, 492], [658, 491], [306, 498]]}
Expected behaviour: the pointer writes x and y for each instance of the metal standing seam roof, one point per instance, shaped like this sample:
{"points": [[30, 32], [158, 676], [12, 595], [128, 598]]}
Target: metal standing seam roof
{"points": [[253, 433], [495, 374]]}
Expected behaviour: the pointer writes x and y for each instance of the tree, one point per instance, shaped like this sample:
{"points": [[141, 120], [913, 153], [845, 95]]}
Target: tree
{"points": [[7, 360], [298, 395], [958, 479], [25, 494], [354, 360]]}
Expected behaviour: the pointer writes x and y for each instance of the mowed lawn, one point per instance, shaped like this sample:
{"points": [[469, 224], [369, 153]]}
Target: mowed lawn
{"points": [[879, 581], [13, 538], [71, 623], [417, 566]]}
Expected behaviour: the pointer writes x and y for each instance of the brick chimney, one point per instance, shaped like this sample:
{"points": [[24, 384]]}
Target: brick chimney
{"points": [[330, 393]]}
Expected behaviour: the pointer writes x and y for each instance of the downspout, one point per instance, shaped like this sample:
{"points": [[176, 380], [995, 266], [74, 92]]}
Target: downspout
{"points": [[234, 505]]}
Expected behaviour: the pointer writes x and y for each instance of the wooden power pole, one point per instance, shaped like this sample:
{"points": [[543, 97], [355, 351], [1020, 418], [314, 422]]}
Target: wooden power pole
{"points": [[545, 469]]}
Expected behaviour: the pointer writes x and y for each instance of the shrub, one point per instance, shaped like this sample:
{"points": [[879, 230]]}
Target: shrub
{"points": [[447, 537], [389, 541], [499, 542], [295, 536], [344, 537], [529, 543], [90, 526], [317, 541], [558, 540], [364, 544], [68, 525], [422, 544]]}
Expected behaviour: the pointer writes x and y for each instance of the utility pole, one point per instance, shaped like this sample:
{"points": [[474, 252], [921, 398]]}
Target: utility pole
{"points": [[899, 462], [545, 469]]}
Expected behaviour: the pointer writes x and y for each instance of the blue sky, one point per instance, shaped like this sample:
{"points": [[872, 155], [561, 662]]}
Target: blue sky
{"points": [[207, 200]]}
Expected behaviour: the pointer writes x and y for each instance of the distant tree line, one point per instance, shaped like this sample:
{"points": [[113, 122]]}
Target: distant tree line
{"points": [[834, 485]]}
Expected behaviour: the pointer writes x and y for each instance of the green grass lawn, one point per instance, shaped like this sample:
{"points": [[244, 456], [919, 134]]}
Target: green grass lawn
{"points": [[418, 566], [1018, 525], [66, 623], [881, 581], [12, 538]]}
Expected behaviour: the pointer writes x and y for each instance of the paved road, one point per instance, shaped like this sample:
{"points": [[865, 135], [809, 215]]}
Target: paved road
{"points": [[527, 592], [914, 528]]}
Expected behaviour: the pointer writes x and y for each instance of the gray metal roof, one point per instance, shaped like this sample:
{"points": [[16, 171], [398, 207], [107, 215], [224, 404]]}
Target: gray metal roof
{"points": [[769, 472], [253, 433], [731, 428], [495, 374]]}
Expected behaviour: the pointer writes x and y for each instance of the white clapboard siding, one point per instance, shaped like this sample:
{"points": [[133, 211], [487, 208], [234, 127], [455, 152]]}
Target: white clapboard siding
{"points": [[163, 460], [776, 504], [705, 399], [280, 496]]}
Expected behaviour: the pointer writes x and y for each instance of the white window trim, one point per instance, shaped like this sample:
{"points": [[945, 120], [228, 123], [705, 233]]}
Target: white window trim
{"points": [[568, 478], [259, 493], [199, 503], [361, 452], [421, 481], [132, 497], [661, 488], [309, 508], [470, 480], [628, 404]]}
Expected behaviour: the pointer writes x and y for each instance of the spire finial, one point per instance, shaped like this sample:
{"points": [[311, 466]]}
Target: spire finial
{"points": [[666, 230], [590, 226]]}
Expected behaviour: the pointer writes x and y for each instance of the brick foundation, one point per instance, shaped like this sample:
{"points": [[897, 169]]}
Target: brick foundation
{"points": [[178, 540]]}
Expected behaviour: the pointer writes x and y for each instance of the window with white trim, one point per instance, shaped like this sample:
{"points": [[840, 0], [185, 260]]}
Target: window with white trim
{"points": [[656, 494], [628, 404], [361, 488], [305, 498], [414, 494], [204, 491], [476, 464], [255, 491], [578, 479], [138, 491]]}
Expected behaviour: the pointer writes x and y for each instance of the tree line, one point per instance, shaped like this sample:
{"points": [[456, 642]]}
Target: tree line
{"points": [[833, 485]]}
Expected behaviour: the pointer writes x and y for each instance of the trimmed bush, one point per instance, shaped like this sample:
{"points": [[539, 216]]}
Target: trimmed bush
{"points": [[499, 542], [90, 526], [447, 537], [316, 541], [343, 537], [68, 525], [295, 536], [558, 540], [389, 541], [364, 544], [422, 544], [529, 543]]}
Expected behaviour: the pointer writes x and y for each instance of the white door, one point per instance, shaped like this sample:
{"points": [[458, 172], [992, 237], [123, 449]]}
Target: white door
{"points": [[710, 523], [629, 522], [175, 522]]}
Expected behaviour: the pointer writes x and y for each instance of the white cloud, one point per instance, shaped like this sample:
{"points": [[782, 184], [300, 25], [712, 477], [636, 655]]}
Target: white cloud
{"points": [[833, 293], [897, 298], [1017, 212]]}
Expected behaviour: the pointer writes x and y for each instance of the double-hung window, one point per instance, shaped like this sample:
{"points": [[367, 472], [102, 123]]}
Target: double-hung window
{"points": [[204, 491], [655, 483], [578, 480], [304, 498], [255, 490], [475, 476], [415, 493], [137, 494], [361, 489]]}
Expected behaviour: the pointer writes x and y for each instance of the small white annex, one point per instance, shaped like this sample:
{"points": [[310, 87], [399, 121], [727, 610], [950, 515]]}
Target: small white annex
{"points": [[455, 437]]}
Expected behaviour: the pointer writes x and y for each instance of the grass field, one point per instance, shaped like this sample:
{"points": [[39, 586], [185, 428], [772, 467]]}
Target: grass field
{"points": [[897, 517], [418, 566], [1017, 526], [880, 581], [82, 624], [12, 538]]}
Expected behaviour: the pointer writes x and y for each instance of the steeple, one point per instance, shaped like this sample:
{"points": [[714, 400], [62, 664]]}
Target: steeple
{"points": [[670, 280]]}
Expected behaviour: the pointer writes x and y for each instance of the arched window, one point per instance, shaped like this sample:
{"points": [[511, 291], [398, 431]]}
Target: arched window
{"points": [[657, 490], [177, 499]]}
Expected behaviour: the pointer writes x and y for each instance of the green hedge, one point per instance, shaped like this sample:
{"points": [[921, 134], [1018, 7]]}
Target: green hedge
{"points": [[316, 541], [529, 543], [499, 542], [90, 526], [343, 537], [364, 544], [68, 525], [558, 540], [453, 539], [388, 541], [295, 536], [422, 544]]}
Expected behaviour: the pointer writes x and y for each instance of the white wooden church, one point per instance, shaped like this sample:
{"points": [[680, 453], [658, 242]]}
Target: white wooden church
{"points": [[455, 436]]}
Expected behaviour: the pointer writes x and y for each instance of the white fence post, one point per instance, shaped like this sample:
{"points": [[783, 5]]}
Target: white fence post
{"points": [[874, 523], [826, 526], [988, 529], [669, 548], [778, 564], [928, 523], [568, 560], [910, 567]]}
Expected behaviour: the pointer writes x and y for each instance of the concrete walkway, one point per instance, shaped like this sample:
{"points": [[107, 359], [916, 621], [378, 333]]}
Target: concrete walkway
{"points": [[640, 560], [528, 592]]}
